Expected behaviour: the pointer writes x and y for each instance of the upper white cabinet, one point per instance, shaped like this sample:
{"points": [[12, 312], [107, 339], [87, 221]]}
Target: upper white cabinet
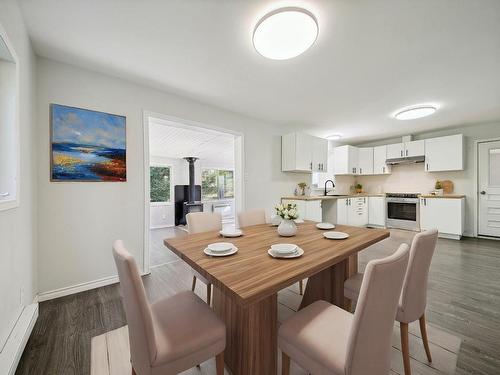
{"points": [[444, 153], [346, 160], [395, 151], [303, 153], [379, 160], [406, 149], [365, 161]]}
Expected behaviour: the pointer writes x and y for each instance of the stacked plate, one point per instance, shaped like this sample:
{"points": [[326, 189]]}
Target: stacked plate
{"points": [[231, 232], [285, 250], [325, 226], [220, 249]]}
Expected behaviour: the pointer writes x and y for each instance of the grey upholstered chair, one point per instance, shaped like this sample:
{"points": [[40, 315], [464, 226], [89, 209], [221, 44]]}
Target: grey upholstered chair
{"points": [[198, 222], [325, 339], [171, 335], [414, 295]]}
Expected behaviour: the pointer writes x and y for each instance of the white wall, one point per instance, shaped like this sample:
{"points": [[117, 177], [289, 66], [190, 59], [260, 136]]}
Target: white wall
{"points": [[79, 221], [413, 178], [18, 225]]}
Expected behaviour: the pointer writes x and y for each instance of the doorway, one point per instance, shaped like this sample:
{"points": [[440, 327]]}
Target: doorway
{"points": [[188, 167], [489, 189]]}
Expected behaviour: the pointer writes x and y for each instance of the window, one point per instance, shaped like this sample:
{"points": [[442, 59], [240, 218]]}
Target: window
{"points": [[160, 177], [217, 184], [9, 158]]}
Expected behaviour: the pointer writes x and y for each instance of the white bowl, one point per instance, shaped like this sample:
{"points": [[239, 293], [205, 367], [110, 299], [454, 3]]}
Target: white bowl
{"points": [[284, 248], [335, 235], [220, 247]]}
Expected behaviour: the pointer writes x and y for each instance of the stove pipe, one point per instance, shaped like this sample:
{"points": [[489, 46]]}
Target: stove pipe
{"points": [[191, 189]]}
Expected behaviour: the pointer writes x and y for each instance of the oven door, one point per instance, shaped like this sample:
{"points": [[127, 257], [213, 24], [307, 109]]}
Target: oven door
{"points": [[403, 213]]}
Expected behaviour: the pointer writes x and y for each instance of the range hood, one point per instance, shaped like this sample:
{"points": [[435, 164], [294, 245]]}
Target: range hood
{"points": [[407, 160]]}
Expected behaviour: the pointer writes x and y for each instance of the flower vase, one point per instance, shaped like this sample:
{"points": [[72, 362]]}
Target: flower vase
{"points": [[287, 228]]}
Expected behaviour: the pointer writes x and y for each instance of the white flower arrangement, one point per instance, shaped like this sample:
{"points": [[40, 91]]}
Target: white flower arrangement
{"points": [[287, 211]]}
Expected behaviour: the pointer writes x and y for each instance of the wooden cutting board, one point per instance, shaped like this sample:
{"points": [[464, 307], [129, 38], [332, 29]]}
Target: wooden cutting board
{"points": [[447, 186]]}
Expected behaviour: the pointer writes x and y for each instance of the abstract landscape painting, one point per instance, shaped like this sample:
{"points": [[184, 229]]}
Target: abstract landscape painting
{"points": [[87, 145]]}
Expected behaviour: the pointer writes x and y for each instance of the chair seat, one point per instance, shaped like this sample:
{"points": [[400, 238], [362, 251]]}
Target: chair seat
{"points": [[200, 277], [316, 338], [352, 286], [186, 327]]}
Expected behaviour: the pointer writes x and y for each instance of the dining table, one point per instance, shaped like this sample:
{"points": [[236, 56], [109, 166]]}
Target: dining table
{"points": [[246, 284]]}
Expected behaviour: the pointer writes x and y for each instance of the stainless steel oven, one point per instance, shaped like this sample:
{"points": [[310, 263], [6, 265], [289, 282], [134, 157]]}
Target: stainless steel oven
{"points": [[403, 211]]}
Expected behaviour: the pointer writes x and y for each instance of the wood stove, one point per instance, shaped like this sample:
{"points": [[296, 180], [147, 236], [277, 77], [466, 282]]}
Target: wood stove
{"points": [[187, 197]]}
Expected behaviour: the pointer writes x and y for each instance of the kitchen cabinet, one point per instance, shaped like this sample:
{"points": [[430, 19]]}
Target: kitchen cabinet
{"points": [[346, 160], [444, 153], [379, 160], [395, 151], [406, 149], [444, 214], [365, 161], [352, 211], [308, 210], [303, 153], [376, 211]]}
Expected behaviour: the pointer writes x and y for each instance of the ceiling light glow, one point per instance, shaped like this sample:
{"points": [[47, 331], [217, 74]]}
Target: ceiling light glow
{"points": [[415, 112], [285, 33]]}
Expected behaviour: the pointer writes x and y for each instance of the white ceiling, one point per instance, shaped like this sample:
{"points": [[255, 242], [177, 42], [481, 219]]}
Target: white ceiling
{"points": [[213, 148], [371, 57]]}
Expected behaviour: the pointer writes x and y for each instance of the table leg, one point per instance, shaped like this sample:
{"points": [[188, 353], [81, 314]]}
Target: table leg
{"points": [[327, 285], [251, 334]]}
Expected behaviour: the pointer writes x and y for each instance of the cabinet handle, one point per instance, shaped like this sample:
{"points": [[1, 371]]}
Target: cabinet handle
{"points": [[401, 153], [383, 169], [427, 166], [360, 170], [406, 152], [311, 166]]}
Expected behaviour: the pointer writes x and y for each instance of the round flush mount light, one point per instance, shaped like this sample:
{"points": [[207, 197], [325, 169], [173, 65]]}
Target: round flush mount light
{"points": [[285, 33], [334, 137], [412, 113]]}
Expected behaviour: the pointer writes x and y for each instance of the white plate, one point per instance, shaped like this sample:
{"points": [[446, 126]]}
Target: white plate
{"points": [[219, 247], [221, 254], [325, 226], [299, 221], [299, 252], [284, 248], [233, 233], [335, 235]]}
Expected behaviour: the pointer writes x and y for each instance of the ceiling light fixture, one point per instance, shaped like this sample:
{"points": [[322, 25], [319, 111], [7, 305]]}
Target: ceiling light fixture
{"points": [[334, 137], [414, 112], [285, 33]]}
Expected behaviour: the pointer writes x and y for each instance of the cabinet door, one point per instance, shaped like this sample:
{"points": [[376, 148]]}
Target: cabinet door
{"points": [[314, 211], [443, 214], [342, 211], [395, 151], [357, 213], [320, 154], [303, 156], [365, 160], [444, 153], [415, 148], [376, 211], [379, 158]]}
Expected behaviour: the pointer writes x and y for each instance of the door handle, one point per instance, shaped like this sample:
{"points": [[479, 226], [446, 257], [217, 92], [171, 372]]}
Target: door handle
{"points": [[482, 192]]}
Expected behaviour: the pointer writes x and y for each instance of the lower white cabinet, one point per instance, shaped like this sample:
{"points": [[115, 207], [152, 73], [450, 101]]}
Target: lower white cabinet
{"points": [[376, 211], [444, 214], [352, 211], [308, 210]]}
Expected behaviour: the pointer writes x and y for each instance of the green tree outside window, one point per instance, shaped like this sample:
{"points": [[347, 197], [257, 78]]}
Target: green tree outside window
{"points": [[159, 184]]}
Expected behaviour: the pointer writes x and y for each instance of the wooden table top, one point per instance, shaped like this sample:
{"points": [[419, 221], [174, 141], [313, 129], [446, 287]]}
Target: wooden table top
{"points": [[251, 274]]}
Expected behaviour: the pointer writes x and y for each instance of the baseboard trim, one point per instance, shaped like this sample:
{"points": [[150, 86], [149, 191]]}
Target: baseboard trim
{"points": [[13, 350], [73, 289]]}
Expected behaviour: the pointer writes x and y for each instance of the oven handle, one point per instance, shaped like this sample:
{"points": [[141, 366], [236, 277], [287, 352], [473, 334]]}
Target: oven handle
{"points": [[402, 200]]}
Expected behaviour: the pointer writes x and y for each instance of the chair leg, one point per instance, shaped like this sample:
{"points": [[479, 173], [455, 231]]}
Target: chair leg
{"points": [[405, 349], [285, 364], [219, 363], [423, 331], [133, 371], [209, 294], [194, 283], [301, 287]]}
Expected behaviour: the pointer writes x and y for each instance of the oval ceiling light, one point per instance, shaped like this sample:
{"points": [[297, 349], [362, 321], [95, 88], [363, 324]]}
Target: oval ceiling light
{"points": [[415, 112], [285, 33], [334, 137]]}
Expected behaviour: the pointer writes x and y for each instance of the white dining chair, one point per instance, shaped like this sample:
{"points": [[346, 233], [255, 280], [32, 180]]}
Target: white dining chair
{"points": [[257, 217], [199, 222], [414, 294], [325, 339], [171, 335]]}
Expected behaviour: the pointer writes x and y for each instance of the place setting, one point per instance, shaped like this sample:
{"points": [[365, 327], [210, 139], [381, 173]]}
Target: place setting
{"points": [[220, 249], [285, 250], [231, 232]]}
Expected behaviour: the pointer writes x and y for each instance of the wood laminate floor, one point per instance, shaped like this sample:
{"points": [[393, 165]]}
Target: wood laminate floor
{"points": [[463, 299]]}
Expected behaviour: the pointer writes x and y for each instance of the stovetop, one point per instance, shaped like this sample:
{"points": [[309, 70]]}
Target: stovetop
{"points": [[402, 195]]}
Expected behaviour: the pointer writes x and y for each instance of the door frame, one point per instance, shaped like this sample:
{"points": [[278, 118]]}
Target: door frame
{"points": [[476, 185], [239, 169]]}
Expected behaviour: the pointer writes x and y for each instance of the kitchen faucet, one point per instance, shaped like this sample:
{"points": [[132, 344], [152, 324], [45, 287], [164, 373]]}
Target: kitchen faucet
{"points": [[333, 184]]}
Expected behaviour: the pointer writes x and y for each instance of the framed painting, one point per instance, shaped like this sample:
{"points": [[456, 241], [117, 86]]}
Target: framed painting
{"points": [[87, 145]]}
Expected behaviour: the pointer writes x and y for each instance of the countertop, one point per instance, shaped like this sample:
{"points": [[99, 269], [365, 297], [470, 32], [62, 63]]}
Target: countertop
{"points": [[329, 197], [445, 196]]}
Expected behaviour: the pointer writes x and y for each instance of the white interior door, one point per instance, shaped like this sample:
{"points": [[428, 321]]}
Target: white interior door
{"points": [[489, 188]]}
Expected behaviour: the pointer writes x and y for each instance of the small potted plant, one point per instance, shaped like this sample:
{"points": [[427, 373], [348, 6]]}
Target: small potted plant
{"points": [[438, 188], [302, 188], [288, 213], [359, 188]]}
